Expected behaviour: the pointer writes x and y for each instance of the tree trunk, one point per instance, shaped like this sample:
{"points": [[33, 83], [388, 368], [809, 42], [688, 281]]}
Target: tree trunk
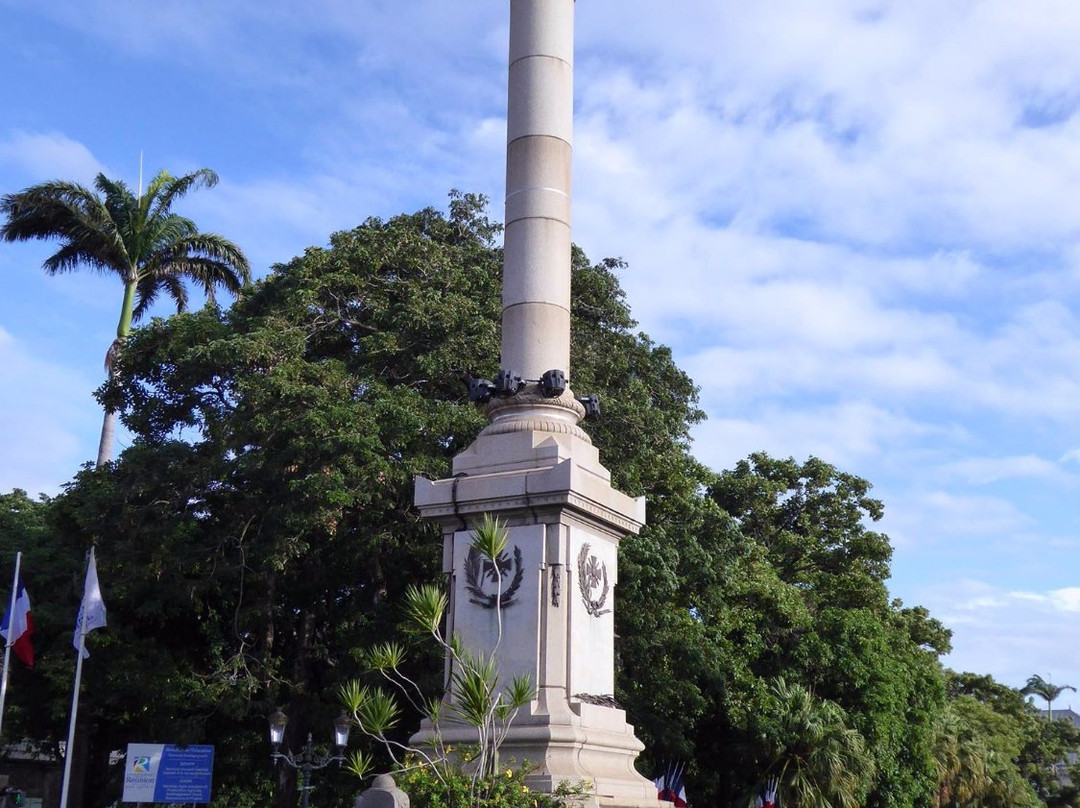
{"points": [[123, 329], [108, 436]]}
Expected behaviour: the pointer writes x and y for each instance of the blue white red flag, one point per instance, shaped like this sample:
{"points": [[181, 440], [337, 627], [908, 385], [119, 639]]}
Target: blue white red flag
{"points": [[767, 797], [18, 626], [670, 786]]}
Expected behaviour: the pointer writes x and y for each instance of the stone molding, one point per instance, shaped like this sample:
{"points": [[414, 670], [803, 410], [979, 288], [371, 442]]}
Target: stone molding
{"points": [[531, 411]]}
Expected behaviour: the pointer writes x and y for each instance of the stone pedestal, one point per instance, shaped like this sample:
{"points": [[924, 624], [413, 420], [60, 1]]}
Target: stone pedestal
{"points": [[539, 473]]}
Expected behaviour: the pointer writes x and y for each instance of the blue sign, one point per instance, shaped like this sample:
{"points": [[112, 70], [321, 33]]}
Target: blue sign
{"points": [[156, 772]]}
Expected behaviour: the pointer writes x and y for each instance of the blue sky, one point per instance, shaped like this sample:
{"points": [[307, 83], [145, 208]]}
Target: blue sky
{"points": [[854, 222]]}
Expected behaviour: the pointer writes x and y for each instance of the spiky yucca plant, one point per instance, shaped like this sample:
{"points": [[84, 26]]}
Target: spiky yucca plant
{"points": [[476, 696]]}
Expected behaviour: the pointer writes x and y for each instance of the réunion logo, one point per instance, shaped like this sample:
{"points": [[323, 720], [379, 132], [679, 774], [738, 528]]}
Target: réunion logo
{"points": [[140, 765]]}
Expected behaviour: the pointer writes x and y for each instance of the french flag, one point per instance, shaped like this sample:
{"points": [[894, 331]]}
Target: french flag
{"points": [[670, 787], [767, 798], [17, 626]]}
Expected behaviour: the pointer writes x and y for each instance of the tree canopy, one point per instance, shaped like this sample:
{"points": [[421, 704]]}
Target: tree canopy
{"points": [[260, 530]]}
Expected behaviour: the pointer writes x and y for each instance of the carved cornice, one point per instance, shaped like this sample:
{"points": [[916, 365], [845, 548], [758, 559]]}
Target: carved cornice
{"points": [[568, 500]]}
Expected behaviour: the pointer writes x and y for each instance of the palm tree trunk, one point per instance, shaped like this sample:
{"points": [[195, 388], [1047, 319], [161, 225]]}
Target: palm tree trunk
{"points": [[123, 329], [108, 435]]}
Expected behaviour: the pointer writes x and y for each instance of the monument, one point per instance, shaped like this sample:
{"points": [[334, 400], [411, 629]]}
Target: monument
{"points": [[535, 468]]}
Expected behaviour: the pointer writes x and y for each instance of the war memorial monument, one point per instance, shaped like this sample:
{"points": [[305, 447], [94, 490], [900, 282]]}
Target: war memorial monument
{"points": [[535, 469]]}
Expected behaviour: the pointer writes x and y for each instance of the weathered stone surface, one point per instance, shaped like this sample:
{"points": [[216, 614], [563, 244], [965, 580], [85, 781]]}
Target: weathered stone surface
{"points": [[383, 793]]}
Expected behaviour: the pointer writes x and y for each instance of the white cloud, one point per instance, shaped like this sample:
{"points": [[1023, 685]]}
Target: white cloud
{"points": [[849, 435], [1014, 634], [980, 516], [983, 470], [1025, 596], [39, 156], [1066, 600]]}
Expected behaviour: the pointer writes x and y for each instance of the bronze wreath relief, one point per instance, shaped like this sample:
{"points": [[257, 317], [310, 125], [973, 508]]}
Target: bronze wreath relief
{"points": [[592, 573], [479, 570]]}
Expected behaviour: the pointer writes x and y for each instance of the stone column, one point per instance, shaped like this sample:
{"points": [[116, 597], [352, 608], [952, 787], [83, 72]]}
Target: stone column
{"points": [[537, 470], [539, 123]]}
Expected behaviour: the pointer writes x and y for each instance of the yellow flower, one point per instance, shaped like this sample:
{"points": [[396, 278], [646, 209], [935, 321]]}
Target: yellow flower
{"points": [[509, 773], [525, 788]]}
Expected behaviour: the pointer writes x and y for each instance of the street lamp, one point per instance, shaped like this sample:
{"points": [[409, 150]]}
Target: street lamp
{"points": [[307, 760]]}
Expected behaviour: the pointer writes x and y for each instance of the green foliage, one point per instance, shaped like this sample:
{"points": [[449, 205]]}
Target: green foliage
{"points": [[260, 526], [505, 788], [817, 759], [1001, 751], [475, 696], [247, 795], [425, 606], [260, 530], [375, 710], [774, 573], [137, 238], [490, 539]]}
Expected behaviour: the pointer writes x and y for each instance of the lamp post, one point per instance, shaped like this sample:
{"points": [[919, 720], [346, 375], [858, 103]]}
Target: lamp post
{"points": [[307, 760]]}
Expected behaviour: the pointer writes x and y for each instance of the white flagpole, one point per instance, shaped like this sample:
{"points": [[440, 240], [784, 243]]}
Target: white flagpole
{"points": [[69, 752], [8, 643]]}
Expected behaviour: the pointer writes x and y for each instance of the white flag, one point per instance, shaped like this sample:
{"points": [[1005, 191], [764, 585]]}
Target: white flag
{"points": [[92, 608]]}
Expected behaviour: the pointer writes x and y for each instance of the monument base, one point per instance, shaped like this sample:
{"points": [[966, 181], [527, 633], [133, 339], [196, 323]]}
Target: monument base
{"points": [[547, 604], [588, 746]]}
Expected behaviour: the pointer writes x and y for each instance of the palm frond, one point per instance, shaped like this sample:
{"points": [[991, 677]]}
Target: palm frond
{"points": [[425, 606], [149, 289], [68, 213], [490, 537], [164, 189], [818, 760]]}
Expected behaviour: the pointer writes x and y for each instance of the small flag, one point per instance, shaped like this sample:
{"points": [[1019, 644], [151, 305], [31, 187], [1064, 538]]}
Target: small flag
{"points": [[670, 787], [92, 606], [19, 625], [768, 794]]}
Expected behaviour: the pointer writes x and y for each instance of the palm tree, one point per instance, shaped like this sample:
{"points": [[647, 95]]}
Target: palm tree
{"points": [[816, 759], [137, 238], [962, 762], [1038, 686]]}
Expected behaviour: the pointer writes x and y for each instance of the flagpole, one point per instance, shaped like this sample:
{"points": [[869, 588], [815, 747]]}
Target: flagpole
{"points": [[8, 643], [69, 752]]}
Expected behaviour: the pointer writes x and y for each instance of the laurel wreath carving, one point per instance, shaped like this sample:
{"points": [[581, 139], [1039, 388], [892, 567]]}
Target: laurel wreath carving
{"points": [[479, 569], [592, 573]]}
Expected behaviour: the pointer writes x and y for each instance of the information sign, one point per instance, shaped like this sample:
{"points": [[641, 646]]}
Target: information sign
{"points": [[155, 772]]}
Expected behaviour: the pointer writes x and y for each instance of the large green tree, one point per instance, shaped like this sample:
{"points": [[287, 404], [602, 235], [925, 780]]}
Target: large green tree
{"points": [[137, 238], [1024, 755], [261, 527], [780, 575]]}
